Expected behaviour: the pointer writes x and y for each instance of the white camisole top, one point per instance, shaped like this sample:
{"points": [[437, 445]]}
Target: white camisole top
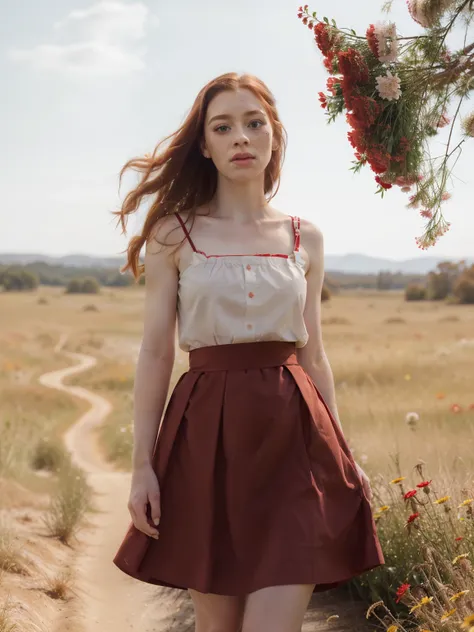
{"points": [[224, 299]]}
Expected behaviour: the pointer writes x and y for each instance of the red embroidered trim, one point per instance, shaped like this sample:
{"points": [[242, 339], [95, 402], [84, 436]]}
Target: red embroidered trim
{"points": [[296, 232]]}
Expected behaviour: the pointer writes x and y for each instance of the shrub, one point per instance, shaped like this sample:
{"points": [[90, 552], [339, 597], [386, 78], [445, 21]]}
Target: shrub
{"points": [[415, 292], [69, 504], [325, 293], [464, 287]]}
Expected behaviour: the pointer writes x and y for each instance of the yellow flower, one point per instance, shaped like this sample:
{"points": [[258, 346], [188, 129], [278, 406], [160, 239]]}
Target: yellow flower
{"points": [[468, 501], [383, 508], [467, 621], [332, 618], [424, 601], [458, 595], [397, 480], [407, 377], [448, 614], [460, 557], [392, 628], [442, 500]]}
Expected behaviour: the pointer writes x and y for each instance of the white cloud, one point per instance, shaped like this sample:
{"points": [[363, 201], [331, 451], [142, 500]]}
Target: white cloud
{"points": [[102, 40]]}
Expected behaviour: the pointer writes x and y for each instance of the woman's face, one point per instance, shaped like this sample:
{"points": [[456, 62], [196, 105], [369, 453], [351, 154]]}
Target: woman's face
{"points": [[236, 123]]}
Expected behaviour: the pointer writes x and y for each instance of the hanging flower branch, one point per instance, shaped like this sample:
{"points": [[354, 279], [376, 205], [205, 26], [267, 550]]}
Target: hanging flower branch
{"points": [[395, 92]]}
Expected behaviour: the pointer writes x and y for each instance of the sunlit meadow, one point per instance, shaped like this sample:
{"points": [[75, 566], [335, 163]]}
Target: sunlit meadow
{"points": [[403, 374]]}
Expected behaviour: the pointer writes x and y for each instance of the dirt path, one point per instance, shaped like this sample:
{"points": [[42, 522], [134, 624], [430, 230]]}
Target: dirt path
{"points": [[108, 600]]}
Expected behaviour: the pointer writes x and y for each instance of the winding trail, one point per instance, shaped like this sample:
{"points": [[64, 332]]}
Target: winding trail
{"points": [[107, 600]]}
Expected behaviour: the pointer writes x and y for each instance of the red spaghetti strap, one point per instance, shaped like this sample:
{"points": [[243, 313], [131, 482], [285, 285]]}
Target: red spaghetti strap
{"points": [[296, 232], [188, 236]]}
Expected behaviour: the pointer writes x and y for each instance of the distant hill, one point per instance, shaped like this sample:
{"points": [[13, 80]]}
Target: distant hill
{"points": [[350, 263]]}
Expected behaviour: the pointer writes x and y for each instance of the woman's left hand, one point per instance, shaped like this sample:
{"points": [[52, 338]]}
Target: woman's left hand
{"points": [[365, 481]]}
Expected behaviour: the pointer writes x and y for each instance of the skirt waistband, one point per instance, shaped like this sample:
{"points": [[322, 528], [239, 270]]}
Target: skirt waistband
{"points": [[244, 355]]}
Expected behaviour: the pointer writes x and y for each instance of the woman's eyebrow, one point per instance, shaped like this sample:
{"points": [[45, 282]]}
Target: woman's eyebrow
{"points": [[228, 116]]}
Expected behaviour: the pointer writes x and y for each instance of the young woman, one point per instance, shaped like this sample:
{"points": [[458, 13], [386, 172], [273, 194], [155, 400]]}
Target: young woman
{"points": [[247, 494]]}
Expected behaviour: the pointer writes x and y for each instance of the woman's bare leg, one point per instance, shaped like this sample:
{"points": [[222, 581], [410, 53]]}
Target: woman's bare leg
{"points": [[217, 613], [277, 608]]}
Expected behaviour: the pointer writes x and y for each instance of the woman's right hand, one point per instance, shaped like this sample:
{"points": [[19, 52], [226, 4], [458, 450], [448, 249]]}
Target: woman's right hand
{"points": [[145, 495]]}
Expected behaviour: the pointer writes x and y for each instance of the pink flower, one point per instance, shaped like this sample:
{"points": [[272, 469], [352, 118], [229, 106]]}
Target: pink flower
{"points": [[388, 87], [446, 196], [427, 213]]}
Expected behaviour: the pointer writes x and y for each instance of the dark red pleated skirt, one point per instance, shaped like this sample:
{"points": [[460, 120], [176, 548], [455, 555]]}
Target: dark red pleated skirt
{"points": [[258, 485]]}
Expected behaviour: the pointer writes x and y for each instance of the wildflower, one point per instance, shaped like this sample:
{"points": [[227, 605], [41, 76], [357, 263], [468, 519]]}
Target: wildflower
{"points": [[458, 595], [424, 483], [426, 213], [388, 87], [440, 395], [401, 590], [407, 377], [442, 500], [412, 418], [421, 603], [446, 196], [392, 628], [410, 494], [459, 557], [467, 620], [456, 408], [413, 517], [466, 502], [384, 508], [443, 120], [468, 124], [372, 608], [397, 480], [459, 538], [448, 614]]}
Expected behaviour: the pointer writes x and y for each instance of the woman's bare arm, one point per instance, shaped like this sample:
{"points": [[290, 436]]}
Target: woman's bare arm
{"points": [[157, 352], [153, 373]]}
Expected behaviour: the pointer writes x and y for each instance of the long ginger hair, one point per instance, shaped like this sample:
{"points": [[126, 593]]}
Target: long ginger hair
{"points": [[179, 177]]}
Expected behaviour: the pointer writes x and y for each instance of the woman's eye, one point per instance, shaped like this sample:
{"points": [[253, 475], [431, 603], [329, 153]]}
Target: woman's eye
{"points": [[257, 121], [220, 127]]}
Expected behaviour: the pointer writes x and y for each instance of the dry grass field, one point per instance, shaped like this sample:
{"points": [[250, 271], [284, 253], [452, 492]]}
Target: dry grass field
{"points": [[389, 358]]}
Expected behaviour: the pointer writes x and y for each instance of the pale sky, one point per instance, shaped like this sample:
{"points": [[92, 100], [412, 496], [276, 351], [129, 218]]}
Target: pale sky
{"points": [[89, 84]]}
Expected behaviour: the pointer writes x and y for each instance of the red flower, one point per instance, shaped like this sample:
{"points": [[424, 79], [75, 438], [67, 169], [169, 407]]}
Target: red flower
{"points": [[353, 66], [324, 38], [456, 408], [300, 15], [459, 538], [401, 591], [424, 483], [331, 84], [410, 494], [413, 517], [385, 185], [372, 40], [322, 99], [305, 20], [364, 112]]}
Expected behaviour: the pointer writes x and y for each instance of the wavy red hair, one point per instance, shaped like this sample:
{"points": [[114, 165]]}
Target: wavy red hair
{"points": [[179, 177]]}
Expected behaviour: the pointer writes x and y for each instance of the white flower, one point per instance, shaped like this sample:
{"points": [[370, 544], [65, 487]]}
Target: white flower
{"points": [[388, 87], [426, 12], [412, 418], [387, 43]]}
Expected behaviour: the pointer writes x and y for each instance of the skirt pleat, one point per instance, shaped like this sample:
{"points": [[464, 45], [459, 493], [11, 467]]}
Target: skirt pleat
{"points": [[258, 485]]}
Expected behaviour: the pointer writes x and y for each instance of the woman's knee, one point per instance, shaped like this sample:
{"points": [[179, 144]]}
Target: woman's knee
{"points": [[217, 613]]}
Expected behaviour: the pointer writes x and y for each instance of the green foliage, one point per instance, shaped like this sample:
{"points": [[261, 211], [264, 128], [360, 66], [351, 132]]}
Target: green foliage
{"points": [[17, 279], [87, 285], [464, 286], [325, 293], [414, 292]]}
